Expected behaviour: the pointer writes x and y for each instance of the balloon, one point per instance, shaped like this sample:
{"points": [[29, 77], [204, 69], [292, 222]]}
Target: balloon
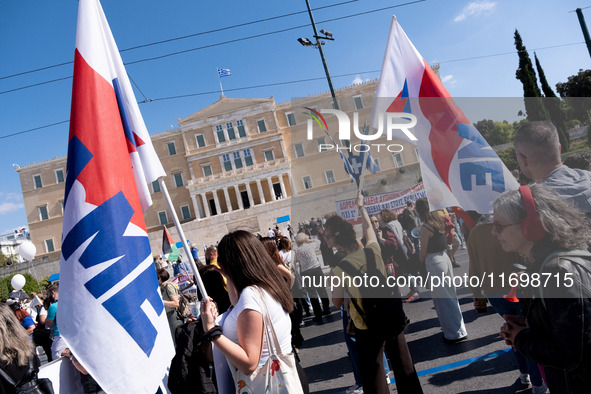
{"points": [[27, 250], [18, 282]]}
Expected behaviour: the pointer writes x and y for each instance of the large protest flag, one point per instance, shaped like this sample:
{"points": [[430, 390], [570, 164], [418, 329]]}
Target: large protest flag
{"points": [[458, 166], [110, 312]]}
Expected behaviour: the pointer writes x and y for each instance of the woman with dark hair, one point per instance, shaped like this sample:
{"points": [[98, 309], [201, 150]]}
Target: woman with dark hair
{"points": [[433, 254], [238, 339], [372, 337], [390, 219], [16, 349], [271, 247], [170, 299], [555, 330]]}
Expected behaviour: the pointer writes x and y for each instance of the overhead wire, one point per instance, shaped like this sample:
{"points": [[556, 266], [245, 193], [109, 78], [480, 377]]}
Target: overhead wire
{"points": [[187, 36]]}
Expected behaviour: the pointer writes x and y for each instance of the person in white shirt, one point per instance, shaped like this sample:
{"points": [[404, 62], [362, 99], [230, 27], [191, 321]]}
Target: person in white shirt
{"points": [[239, 338]]}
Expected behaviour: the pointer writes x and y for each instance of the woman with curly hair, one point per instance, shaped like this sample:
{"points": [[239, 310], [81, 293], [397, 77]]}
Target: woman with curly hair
{"points": [[16, 349], [555, 329]]}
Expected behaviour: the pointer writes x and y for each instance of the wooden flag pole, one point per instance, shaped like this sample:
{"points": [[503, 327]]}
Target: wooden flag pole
{"points": [[183, 239]]}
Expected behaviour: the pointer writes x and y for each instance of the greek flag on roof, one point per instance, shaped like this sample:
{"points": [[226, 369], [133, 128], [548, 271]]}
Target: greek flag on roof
{"points": [[224, 72], [111, 309]]}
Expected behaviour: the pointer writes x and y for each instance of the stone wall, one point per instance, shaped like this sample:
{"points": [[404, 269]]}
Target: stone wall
{"points": [[40, 268]]}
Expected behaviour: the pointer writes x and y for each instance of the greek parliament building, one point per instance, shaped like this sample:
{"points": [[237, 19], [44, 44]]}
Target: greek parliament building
{"points": [[236, 164]]}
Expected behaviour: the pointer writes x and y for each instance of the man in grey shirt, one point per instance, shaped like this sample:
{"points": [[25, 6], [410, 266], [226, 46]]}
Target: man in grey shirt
{"points": [[538, 154]]}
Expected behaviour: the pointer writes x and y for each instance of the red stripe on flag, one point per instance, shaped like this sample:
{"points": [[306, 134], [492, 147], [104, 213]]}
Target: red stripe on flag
{"points": [[443, 115], [95, 120]]}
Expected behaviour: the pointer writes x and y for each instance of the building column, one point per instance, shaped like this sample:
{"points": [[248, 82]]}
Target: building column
{"points": [[283, 190], [205, 203], [272, 189], [261, 194], [294, 192], [228, 202], [249, 192], [216, 201], [239, 197], [196, 207]]}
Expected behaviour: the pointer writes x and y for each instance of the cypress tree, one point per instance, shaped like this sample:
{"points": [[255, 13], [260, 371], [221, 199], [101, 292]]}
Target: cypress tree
{"points": [[526, 74], [554, 108]]}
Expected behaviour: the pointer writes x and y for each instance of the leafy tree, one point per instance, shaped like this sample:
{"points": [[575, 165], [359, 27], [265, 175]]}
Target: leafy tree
{"points": [[526, 74], [495, 133], [577, 92], [554, 107], [508, 157], [5, 259], [31, 285]]}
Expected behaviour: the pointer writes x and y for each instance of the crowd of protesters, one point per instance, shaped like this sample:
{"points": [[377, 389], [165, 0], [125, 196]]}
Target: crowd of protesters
{"points": [[257, 285]]}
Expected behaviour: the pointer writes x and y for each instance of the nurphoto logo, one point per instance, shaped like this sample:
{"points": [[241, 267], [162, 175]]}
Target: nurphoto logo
{"points": [[394, 121]]}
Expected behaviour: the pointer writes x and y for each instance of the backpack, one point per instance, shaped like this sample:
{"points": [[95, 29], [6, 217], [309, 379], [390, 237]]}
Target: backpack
{"points": [[30, 383], [189, 368], [382, 306], [184, 309]]}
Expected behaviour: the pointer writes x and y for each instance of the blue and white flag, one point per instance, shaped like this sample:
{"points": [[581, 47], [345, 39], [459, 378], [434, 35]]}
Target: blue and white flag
{"points": [[110, 312], [224, 72]]}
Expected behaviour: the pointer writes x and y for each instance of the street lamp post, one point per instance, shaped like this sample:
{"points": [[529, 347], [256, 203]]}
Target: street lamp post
{"points": [[318, 44]]}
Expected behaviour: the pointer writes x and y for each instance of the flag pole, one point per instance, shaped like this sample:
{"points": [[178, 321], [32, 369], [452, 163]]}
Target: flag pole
{"points": [[365, 160], [220, 80], [183, 238]]}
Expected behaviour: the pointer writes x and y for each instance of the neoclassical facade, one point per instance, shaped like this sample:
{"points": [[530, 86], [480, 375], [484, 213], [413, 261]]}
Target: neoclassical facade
{"points": [[237, 163]]}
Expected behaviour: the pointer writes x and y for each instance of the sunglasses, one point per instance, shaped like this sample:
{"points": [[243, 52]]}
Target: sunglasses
{"points": [[500, 227]]}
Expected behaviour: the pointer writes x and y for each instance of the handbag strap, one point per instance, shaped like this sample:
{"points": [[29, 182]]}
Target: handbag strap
{"points": [[273, 342], [31, 371]]}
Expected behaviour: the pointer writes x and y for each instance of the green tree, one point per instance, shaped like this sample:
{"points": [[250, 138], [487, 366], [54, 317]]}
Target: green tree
{"points": [[495, 133], [526, 74], [577, 94], [31, 285], [5, 259], [554, 107], [507, 156]]}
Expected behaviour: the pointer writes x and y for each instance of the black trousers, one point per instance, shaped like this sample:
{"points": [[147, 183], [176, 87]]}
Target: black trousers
{"points": [[371, 345]]}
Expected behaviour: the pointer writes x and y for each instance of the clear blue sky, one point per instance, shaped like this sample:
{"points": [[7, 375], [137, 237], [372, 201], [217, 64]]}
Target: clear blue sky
{"points": [[37, 34]]}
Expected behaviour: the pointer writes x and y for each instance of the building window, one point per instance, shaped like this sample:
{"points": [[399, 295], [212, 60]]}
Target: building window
{"points": [[291, 121], [358, 102], [307, 182], [227, 162], [59, 176], [417, 153], [299, 150], [178, 179], [397, 159], [231, 133], [185, 212], [321, 144], [220, 133], [156, 187], [162, 218], [247, 157], [241, 129], [171, 148], [261, 125], [49, 247], [329, 176], [237, 160], [63, 206], [207, 170], [38, 182], [269, 155], [200, 140], [43, 214]]}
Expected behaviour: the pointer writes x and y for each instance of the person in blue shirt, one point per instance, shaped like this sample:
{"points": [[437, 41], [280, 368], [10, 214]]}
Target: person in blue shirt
{"points": [[58, 345]]}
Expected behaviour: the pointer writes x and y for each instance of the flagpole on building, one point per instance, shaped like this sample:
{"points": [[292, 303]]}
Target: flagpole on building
{"points": [[181, 233], [221, 87]]}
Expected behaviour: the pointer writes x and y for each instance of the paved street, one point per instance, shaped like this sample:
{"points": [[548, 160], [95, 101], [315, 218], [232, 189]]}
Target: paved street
{"points": [[479, 364]]}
